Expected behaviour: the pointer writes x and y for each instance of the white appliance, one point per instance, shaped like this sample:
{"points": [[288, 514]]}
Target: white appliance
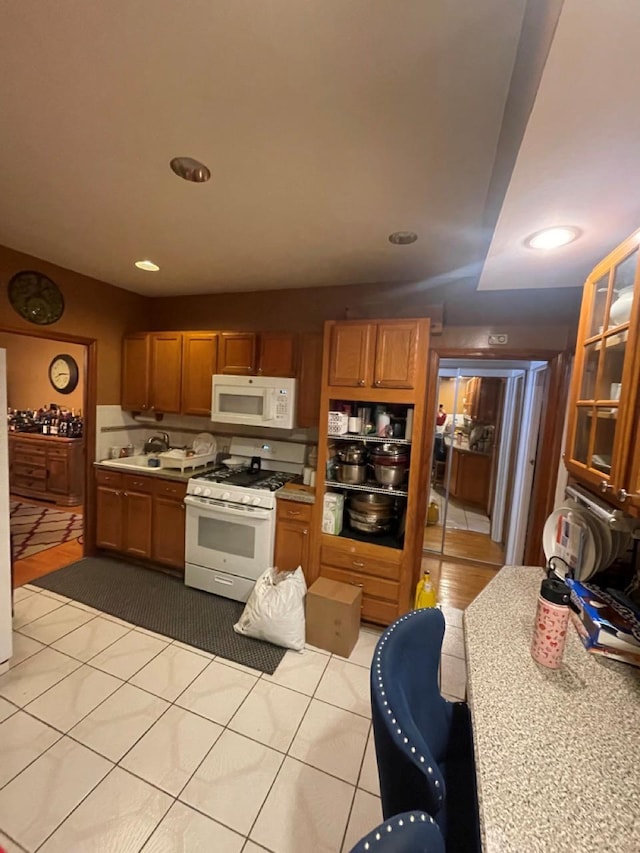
{"points": [[231, 516], [6, 649], [264, 401]]}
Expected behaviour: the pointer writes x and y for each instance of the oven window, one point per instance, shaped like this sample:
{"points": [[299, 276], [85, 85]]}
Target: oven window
{"points": [[226, 537], [241, 404]]}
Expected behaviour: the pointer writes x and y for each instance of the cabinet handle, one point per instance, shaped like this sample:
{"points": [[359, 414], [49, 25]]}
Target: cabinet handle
{"points": [[259, 371], [361, 382], [293, 513], [623, 494], [305, 532], [378, 382], [126, 494], [182, 506], [358, 564], [605, 487]]}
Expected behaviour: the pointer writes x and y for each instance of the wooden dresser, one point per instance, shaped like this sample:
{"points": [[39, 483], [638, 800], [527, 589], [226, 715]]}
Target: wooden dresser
{"points": [[46, 467]]}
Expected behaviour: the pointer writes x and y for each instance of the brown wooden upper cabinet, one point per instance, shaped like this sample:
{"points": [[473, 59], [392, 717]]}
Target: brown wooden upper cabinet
{"points": [[264, 354], [603, 429], [366, 354], [168, 372], [199, 363], [152, 372], [237, 353]]}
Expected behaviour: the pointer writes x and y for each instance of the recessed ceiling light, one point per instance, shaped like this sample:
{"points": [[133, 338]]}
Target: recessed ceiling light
{"points": [[403, 238], [190, 169], [553, 238], [148, 266]]}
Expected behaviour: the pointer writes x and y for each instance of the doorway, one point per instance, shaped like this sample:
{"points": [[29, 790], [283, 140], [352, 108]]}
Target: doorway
{"points": [[47, 419], [484, 447]]}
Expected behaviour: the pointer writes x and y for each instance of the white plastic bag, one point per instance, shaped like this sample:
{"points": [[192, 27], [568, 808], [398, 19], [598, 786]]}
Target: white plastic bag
{"points": [[275, 609]]}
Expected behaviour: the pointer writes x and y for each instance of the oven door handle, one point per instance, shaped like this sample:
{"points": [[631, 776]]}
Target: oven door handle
{"points": [[222, 509]]}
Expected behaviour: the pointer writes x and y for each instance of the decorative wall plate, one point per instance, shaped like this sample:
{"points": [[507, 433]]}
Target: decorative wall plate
{"points": [[35, 297]]}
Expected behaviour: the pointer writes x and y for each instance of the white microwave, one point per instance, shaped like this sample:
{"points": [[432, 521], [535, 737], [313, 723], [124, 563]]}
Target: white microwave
{"points": [[264, 401]]}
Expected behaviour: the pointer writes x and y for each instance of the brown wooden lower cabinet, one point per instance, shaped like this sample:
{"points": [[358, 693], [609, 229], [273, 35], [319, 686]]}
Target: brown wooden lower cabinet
{"points": [[470, 476], [141, 517], [47, 467], [377, 570], [293, 522]]}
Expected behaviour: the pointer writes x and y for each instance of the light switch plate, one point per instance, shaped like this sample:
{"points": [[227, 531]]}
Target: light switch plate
{"points": [[498, 340]]}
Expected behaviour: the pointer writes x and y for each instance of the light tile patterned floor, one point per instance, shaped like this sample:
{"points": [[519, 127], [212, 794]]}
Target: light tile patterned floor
{"points": [[113, 738], [461, 516]]}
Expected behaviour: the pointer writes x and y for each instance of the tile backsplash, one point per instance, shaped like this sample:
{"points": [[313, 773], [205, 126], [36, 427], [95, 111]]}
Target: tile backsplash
{"points": [[117, 428]]}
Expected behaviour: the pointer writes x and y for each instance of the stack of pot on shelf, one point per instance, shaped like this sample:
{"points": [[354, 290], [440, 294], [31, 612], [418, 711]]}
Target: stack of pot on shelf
{"points": [[389, 461], [371, 513]]}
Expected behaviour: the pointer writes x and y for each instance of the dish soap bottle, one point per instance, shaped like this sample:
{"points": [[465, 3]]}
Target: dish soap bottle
{"points": [[425, 593]]}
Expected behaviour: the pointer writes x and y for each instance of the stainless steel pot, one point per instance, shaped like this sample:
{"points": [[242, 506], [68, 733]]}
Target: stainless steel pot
{"points": [[352, 454], [372, 502], [389, 450], [390, 475], [370, 517], [352, 474], [375, 528]]}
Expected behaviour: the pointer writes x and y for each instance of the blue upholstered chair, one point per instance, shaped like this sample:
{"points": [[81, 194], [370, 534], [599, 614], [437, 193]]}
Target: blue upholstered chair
{"points": [[411, 832], [424, 743]]}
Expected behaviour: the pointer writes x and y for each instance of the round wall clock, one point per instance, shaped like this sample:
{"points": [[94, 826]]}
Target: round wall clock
{"points": [[35, 297], [63, 374]]}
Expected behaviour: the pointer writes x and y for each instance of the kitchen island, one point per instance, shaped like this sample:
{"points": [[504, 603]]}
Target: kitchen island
{"points": [[556, 750]]}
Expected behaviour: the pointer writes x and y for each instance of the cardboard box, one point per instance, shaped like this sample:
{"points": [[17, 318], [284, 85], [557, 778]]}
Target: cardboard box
{"points": [[332, 512], [333, 616]]}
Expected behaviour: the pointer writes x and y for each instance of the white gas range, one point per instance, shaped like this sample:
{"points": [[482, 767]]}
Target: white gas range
{"points": [[231, 519]]}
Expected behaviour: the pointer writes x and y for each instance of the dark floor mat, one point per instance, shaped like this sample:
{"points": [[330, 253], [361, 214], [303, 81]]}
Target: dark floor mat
{"points": [[163, 604]]}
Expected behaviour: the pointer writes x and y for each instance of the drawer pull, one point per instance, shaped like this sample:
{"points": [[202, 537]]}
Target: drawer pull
{"points": [[294, 513], [358, 564]]}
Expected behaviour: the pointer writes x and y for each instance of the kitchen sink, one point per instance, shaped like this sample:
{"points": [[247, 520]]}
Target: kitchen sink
{"points": [[135, 463]]}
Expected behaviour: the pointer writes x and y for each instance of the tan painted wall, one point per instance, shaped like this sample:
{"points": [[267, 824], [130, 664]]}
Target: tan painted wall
{"points": [[28, 361], [93, 309], [529, 312]]}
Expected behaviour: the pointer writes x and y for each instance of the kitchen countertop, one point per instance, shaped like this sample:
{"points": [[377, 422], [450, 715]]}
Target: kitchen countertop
{"points": [[556, 750], [297, 492], [162, 473]]}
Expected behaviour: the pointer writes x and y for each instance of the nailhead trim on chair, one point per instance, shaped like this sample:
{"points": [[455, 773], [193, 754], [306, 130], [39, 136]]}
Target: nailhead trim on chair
{"points": [[405, 739], [412, 819]]}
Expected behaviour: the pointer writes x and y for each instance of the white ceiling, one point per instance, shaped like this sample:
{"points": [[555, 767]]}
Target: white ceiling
{"points": [[579, 162], [326, 125]]}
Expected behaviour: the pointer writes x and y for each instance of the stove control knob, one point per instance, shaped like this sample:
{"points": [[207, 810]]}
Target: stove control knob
{"points": [[226, 496], [207, 493], [197, 490], [245, 499], [256, 501]]}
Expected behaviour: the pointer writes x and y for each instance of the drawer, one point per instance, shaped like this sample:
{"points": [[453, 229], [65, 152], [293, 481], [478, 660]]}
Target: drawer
{"points": [[170, 489], [379, 612], [377, 587], [108, 478], [28, 455], [29, 484], [133, 483], [294, 511], [57, 452], [380, 566], [31, 470]]}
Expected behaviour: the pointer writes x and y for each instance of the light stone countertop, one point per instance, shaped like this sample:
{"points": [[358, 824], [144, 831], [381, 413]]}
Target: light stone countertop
{"points": [[160, 473], [557, 751]]}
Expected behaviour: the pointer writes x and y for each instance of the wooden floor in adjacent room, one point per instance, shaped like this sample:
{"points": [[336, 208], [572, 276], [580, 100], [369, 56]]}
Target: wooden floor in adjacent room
{"points": [[466, 544], [47, 561], [457, 582]]}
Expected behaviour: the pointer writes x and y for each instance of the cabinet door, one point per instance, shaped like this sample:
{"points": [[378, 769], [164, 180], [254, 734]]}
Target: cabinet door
{"points": [[58, 474], [137, 512], [135, 372], [396, 354], [309, 380], [237, 353], [167, 546], [199, 363], [109, 518], [488, 400], [350, 355], [277, 354], [166, 371], [292, 546]]}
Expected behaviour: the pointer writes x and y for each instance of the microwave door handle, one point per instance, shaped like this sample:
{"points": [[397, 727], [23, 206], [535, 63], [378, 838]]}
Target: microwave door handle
{"points": [[270, 407]]}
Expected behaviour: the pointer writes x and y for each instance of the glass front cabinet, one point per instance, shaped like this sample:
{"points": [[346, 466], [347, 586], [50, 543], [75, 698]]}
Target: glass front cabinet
{"points": [[602, 435]]}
